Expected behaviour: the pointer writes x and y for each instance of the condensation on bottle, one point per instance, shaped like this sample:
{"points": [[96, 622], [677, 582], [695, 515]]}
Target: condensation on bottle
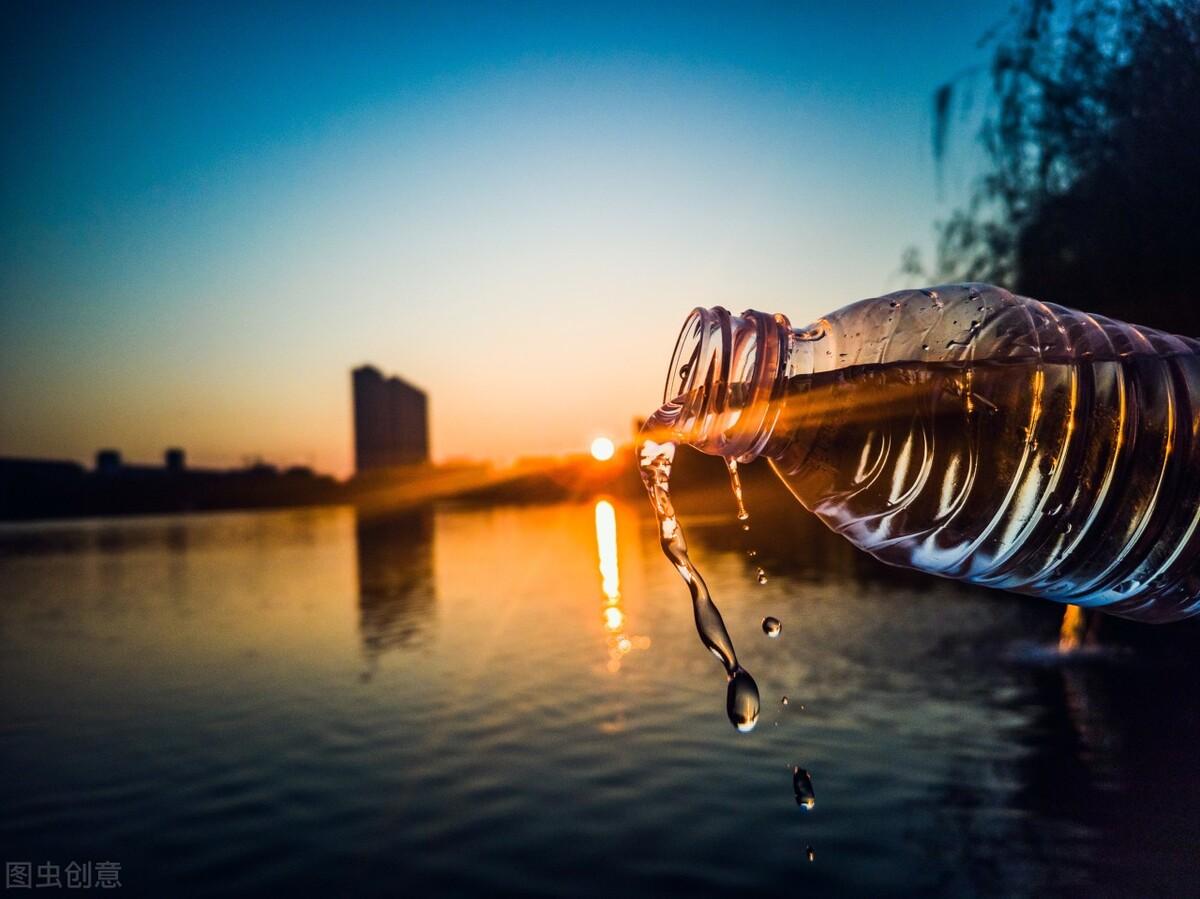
{"points": [[970, 433]]}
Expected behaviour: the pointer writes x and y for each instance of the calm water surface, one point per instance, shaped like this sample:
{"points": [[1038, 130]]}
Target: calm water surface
{"points": [[515, 701]]}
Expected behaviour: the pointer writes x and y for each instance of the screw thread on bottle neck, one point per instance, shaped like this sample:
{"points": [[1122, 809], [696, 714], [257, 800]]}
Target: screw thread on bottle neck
{"points": [[726, 376]]}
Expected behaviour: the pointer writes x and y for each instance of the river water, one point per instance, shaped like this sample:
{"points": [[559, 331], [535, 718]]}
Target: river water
{"points": [[514, 700]]}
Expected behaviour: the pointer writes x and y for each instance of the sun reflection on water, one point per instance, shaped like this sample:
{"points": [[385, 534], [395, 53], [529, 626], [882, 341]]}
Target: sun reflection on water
{"points": [[620, 643]]}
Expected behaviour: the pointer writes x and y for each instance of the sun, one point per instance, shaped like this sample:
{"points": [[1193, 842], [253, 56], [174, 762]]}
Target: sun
{"points": [[602, 449]]}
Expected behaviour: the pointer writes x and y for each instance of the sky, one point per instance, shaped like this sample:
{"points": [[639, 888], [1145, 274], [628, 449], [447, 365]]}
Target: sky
{"points": [[210, 212]]}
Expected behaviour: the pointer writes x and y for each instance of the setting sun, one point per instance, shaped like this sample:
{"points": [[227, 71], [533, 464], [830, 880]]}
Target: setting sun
{"points": [[602, 449]]}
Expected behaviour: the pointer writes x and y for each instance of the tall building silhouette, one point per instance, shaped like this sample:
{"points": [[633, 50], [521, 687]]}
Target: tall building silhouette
{"points": [[391, 421]]}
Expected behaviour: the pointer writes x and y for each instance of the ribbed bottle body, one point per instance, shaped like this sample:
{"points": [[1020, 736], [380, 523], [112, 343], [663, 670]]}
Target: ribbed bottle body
{"points": [[977, 435]]}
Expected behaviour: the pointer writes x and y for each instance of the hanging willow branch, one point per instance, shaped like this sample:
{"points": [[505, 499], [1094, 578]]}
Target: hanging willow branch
{"points": [[1092, 135]]}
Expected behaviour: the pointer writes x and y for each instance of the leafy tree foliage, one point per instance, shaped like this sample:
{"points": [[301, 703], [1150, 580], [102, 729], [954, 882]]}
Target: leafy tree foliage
{"points": [[1092, 133]]}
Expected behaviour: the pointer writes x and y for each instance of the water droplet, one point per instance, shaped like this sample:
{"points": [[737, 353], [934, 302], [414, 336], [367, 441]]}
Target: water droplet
{"points": [[771, 626], [745, 527], [752, 553], [803, 786], [925, 347], [783, 701], [741, 701], [760, 576], [809, 854]]}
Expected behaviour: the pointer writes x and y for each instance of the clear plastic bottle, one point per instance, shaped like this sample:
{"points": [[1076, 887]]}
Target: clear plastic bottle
{"points": [[970, 433]]}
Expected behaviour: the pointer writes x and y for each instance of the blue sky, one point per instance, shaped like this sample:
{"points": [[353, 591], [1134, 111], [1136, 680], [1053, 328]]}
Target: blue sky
{"points": [[210, 212]]}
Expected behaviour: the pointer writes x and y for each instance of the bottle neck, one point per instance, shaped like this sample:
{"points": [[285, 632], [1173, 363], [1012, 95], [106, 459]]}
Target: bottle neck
{"points": [[727, 377]]}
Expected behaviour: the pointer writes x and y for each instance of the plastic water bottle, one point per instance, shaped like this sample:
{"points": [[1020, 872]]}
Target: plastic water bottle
{"points": [[969, 433]]}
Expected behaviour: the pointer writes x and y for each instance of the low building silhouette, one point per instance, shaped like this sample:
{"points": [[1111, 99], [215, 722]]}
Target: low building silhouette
{"points": [[38, 488], [108, 461]]}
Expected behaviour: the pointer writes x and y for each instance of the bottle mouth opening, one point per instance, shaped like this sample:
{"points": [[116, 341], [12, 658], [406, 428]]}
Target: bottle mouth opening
{"points": [[698, 351], [723, 374]]}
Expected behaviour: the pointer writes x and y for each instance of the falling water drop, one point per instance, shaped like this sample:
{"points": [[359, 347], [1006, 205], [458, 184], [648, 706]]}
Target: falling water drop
{"points": [[741, 701], [803, 787], [760, 576], [809, 854], [771, 627], [783, 701]]}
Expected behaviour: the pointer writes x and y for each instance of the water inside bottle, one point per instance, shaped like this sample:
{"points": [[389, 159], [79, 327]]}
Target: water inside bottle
{"points": [[1069, 480]]}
